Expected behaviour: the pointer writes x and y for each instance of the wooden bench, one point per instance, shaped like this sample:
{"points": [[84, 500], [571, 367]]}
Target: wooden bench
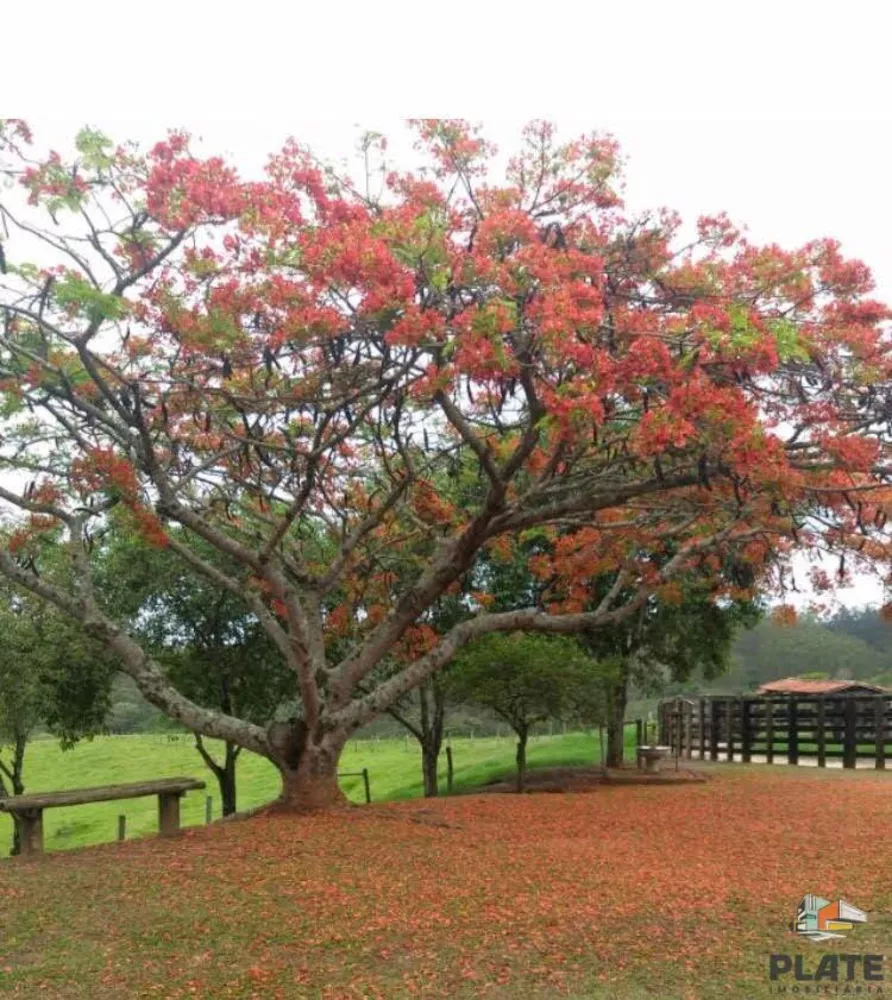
{"points": [[28, 809]]}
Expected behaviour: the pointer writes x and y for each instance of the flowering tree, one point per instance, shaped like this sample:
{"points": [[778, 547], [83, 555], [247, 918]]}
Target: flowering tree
{"points": [[285, 367]]}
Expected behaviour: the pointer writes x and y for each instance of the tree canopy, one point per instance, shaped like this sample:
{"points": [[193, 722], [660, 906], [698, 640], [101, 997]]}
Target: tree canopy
{"points": [[326, 384]]}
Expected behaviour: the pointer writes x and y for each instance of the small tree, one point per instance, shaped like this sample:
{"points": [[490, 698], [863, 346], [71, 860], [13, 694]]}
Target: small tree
{"points": [[525, 679], [590, 692], [20, 699], [239, 676], [423, 715], [208, 642], [422, 712], [51, 675], [676, 633]]}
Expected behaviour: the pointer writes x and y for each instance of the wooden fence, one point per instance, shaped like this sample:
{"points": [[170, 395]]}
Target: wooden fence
{"points": [[780, 729]]}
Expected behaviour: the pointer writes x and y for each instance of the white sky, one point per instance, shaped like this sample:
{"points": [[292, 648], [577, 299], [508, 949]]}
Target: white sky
{"points": [[777, 113]]}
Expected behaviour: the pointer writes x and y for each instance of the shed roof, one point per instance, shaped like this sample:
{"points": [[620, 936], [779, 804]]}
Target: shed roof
{"points": [[805, 685]]}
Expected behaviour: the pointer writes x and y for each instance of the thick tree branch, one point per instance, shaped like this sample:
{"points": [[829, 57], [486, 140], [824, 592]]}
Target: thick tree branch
{"points": [[528, 620], [147, 673]]}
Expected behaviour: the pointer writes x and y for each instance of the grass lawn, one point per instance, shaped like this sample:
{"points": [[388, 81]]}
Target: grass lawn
{"points": [[394, 769], [675, 892]]}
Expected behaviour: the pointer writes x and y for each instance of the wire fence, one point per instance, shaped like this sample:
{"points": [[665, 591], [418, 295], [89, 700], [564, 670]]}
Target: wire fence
{"points": [[371, 742]]}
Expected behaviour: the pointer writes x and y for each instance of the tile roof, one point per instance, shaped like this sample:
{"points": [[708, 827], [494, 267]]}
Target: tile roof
{"points": [[804, 685]]}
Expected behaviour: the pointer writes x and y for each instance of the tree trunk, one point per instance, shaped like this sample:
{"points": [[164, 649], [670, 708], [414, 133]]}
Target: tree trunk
{"points": [[433, 715], [430, 758], [226, 780], [224, 773], [429, 730], [616, 715], [521, 758], [18, 786], [311, 782], [16, 840]]}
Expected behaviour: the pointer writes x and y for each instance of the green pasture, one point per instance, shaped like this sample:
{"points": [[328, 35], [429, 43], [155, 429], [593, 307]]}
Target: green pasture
{"points": [[394, 770]]}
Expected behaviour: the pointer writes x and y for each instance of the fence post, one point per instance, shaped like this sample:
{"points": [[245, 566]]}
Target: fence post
{"points": [[850, 741], [365, 781], [769, 730], [688, 730], [713, 729], [729, 719], [746, 730], [879, 726], [122, 827], [879, 714], [679, 726], [449, 772], [208, 809], [702, 728], [793, 731], [822, 735]]}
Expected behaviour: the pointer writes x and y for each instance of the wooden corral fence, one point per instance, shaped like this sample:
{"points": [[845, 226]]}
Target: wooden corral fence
{"points": [[780, 729]]}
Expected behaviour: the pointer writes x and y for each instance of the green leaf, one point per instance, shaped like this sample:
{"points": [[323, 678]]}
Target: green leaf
{"points": [[786, 337], [75, 292], [94, 147]]}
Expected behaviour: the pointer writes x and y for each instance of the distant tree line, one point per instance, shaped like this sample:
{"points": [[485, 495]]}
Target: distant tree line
{"points": [[851, 644]]}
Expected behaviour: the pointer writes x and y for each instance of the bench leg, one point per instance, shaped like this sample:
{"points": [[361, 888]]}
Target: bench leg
{"points": [[168, 813], [30, 826]]}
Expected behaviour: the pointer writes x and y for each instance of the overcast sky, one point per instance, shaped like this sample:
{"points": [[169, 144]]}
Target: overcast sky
{"points": [[775, 113]]}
